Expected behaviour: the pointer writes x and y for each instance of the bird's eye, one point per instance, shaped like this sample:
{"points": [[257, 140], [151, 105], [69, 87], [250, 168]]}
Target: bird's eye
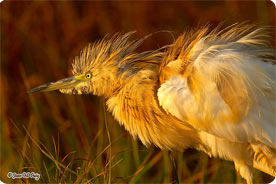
{"points": [[88, 75]]}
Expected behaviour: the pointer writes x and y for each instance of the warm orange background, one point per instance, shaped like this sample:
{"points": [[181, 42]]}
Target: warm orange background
{"points": [[38, 43]]}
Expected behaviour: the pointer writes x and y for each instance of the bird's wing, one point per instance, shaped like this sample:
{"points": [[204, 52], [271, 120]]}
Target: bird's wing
{"points": [[218, 82]]}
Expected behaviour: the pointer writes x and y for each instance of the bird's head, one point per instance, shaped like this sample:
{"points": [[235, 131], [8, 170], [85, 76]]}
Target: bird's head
{"points": [[102, 67]]}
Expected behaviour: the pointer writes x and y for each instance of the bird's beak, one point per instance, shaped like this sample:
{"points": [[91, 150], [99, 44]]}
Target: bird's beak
{"points": [[69, 82]]}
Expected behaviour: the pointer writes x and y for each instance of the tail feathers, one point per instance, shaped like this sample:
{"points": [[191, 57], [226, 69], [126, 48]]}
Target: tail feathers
{"points": [[271, 170], [264, 158]]}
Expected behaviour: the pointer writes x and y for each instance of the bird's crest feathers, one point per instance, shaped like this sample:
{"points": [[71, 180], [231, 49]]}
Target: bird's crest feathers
{"points": [[117, 51]]}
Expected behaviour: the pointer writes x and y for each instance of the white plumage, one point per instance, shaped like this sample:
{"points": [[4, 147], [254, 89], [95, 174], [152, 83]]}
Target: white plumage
{"points": [[224, 89], [210, 90]]}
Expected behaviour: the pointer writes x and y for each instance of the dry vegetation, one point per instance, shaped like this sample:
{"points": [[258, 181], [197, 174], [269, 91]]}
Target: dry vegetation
{"points": [[72, 138]]}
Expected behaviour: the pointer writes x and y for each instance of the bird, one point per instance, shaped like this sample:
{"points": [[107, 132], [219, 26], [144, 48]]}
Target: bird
{"points": [[212, 89]]}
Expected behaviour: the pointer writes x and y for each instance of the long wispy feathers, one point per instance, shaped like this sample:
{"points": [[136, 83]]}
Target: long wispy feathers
{"points": [[226, 52], [222, 82], [211, 90], [118, 51]]}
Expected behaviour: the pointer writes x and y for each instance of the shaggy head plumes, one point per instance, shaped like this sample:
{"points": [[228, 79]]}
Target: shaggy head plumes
{"points": [[210, 90], [109, 62]]}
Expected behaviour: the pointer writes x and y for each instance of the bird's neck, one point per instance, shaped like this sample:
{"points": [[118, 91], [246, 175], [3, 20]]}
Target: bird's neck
{"points": [[136, 107]]}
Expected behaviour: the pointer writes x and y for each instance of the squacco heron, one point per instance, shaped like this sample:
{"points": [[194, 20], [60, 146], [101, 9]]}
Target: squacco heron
{"points": [[212, 90]]}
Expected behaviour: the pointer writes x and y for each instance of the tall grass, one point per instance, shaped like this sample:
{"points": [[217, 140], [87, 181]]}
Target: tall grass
{"points": [[111, 156], [73, 139]]}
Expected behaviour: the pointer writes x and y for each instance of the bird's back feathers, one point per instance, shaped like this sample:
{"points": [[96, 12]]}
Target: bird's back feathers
{"points": [[210, 90], [219, 82]]}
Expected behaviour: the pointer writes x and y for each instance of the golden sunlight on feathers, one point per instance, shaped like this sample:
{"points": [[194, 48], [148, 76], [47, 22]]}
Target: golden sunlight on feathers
{"points": [[218, 82], [212, 90]]}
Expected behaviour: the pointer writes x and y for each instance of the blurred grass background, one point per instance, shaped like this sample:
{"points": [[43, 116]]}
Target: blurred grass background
{"points": [[72, 138]]}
